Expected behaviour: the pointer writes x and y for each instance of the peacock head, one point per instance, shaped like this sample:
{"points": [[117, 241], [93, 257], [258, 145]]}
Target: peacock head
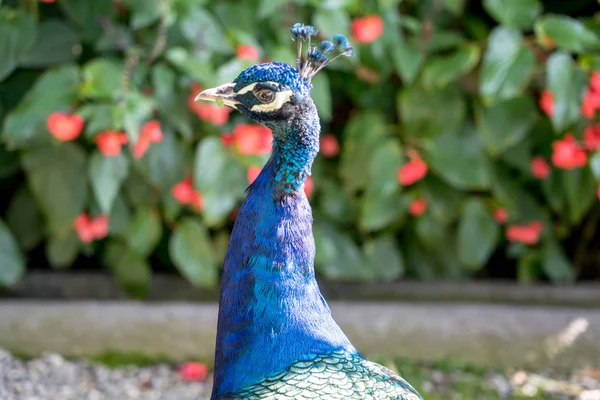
{"points": [[273, 92]]}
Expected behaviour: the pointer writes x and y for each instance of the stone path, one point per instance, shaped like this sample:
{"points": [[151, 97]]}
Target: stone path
{"points": [[485, 334]]}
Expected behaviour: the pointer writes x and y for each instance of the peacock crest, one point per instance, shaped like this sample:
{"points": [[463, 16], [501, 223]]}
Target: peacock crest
{"points": [[317, 57]]}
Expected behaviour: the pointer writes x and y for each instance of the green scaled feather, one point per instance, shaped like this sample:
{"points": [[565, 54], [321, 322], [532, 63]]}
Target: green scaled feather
{"points": [[331, 377]]}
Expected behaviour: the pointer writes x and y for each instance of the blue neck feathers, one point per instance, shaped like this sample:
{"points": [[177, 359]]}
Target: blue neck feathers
{"points": [[271, 311]]}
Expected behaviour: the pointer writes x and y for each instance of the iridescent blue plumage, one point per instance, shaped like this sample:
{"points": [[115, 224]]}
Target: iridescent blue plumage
{"points": [[276, 338]]}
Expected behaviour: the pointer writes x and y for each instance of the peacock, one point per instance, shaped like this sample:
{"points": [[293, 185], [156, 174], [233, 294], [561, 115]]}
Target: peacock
{"points": [[276, 337]]}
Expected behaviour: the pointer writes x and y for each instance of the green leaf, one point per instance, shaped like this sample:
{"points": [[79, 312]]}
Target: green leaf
{"points": [[144, 12], [200, 70], [383, 258], [378, 210], [62, 250], [333, 201], [567, 33], [330, 22], [106, 176], [87, 15], [57, 44], [102, 79], [201, 29], [595, 164], [220, 180], [163, 163], [444, 203], [425, 113], [338, 257], [228, 71], [57, 179], [580, 187], [506, 124], [12, 264], [321, 95], [380, 205], [18, 33], [174, 112], [191, 252], [144, 231], [10, 163], [478, 234], [507, 66], [137, 109], [442, 70], [528, 266], [408, 60], [431, 233], [163, 81], [555, 263], [55, 90], [458, 158], [98, 117], [358, 148], [270, 7], [567, 84], [120, 218], [131, 270], [24, 219], [514, 13], [456, 7]]}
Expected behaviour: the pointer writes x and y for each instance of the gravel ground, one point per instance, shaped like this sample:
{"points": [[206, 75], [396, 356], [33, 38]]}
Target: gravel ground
{"points": [[51, 377]]}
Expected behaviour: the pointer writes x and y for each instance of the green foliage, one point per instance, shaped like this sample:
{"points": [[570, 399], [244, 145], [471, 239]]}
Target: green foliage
{"points": [[455, 85]]}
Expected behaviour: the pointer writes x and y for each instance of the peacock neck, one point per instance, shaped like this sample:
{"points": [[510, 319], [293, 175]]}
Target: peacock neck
{"points": [[296, 144], [271, 310]]}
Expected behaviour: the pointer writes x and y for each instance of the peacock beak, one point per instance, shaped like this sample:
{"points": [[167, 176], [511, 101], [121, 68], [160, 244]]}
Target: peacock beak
{"points": [[220, 94]]}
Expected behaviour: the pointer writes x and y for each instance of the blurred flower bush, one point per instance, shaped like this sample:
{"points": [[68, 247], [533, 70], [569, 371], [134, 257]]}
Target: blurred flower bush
{"points": [[461, 141]]}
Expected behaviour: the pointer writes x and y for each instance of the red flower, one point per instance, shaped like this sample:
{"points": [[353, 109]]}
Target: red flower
{"points": [[309, 186], [252, 173], [253, 139], [89, 229], [590, 104], [598, 192], [83, 229], [183, 191], [539, 167], [595, 82], [526, 234], [501, 215], [329, 145], [197, 201], [247, 52], [367, 29], [417, 207], [140, 147], [151, 131], [193, 371], [99, 227], [208, 111], [547, 102], [47, 1], [227, 139], [567, 154], [63, 126], [411, 172], [591, 137], [109, 142]]}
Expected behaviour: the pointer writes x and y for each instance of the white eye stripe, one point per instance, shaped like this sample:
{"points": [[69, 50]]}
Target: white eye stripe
{"points": [[280, 99], [247, 89], [251, 86]]}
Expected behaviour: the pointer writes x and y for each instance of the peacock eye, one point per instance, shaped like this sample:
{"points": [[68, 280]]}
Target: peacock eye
{"points": [[265, 96]]}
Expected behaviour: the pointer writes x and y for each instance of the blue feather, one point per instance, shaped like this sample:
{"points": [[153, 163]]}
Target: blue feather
{"points": [[275, 333]]}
